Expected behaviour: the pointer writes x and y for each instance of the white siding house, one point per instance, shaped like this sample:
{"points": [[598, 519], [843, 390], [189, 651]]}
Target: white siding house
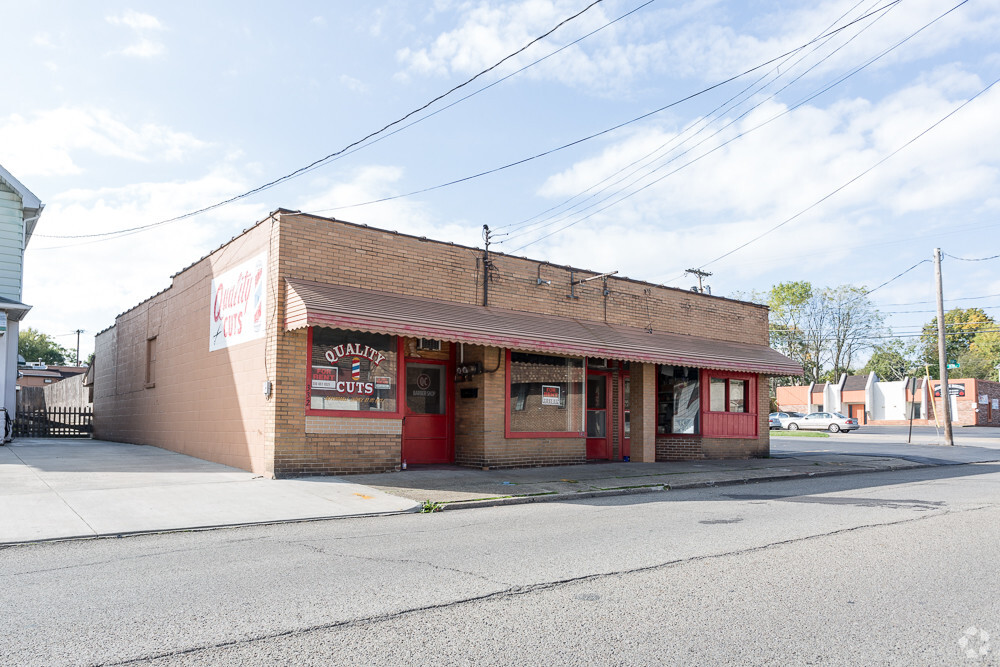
{"points": [[19, 212]]}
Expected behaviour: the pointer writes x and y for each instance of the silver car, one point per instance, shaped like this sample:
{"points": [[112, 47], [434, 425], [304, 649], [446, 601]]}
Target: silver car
{"points": [[833, 422], [785, 417], [775, 422]]}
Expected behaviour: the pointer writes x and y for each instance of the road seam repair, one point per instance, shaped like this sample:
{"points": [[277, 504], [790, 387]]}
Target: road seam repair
{"points": [[525, 590]]}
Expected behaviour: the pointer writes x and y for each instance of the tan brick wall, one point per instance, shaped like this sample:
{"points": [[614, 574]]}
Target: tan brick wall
{"points": [[212, 405], [689, 447], [206, 404]]}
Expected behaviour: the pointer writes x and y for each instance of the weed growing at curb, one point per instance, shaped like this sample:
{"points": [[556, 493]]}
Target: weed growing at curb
{"points": [[430, 506]]}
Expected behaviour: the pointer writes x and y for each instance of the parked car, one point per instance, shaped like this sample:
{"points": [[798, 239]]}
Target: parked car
{"points": [[785, 417], [824, 421], [775, 422]]}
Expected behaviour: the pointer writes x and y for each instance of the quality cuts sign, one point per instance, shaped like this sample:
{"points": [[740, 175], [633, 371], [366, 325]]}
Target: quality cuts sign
{"points": [[239, 304]]}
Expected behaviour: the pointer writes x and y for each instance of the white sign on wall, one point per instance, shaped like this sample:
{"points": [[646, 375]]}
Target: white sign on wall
{"points": [[984, 399], [239, 304]]}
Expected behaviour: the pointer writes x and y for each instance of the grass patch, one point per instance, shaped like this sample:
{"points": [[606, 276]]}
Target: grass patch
{"points": [[800, 434]]}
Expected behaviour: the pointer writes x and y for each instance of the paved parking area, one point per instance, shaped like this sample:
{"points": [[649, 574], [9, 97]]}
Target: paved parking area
{"points": [[57, 489]]}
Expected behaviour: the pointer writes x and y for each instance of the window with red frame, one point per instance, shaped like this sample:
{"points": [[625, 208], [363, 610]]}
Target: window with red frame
{"points": [[545, 395], [352, 371], [728, 394]]}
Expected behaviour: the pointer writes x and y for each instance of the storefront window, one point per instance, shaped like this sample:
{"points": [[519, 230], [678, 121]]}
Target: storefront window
{"points": [[350, 370], [678, 400], [546, 394], [727, 395]]}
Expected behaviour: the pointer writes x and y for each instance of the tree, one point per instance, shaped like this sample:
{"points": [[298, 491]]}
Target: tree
{"points": [[893, 360], [854, 323], [34, 345], [962, 326], [823, 329]]}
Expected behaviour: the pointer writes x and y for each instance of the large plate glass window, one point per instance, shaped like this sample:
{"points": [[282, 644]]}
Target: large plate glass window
{"points": [[351, 370], [678, 400], [546, 394]]}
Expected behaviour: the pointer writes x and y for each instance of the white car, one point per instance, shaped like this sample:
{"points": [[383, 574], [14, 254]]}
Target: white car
{"points": [[833, 422], [775, 422], [785, 417]]}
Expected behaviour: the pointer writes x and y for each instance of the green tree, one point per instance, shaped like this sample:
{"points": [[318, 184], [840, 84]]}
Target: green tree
{"points": [[34, 345], [824, 329], [893, 360], [987, 345], [962, 326]]}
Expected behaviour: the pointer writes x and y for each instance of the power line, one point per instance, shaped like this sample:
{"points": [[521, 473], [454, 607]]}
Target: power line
{"points": [[856, 178], [727, 142], [705, 123], [608, 130], [972, 259], [315, 163]]}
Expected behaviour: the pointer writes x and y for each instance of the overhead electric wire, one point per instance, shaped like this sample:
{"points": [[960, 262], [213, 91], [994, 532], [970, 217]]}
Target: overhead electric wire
{"points": [[613, 128], [728, 141], [972, 259], [705, 122], [855, 178], [302, 170]]}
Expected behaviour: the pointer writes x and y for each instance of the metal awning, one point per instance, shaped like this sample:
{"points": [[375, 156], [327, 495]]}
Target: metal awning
{"points": [[15, 309], [319, 304]]}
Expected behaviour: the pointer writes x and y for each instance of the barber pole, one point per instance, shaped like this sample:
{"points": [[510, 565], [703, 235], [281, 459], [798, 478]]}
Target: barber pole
{"points": [[356, 369]]}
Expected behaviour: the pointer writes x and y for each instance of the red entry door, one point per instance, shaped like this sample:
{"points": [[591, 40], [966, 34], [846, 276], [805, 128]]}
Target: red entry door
{"points": [[626, 414], [857, 411], [426, 423], [598, 442]]}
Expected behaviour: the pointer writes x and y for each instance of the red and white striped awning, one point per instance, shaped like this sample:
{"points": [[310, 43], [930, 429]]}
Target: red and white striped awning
{"points": [[318, 304]]}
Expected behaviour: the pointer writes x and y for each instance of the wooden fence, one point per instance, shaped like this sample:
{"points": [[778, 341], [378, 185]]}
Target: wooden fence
{"points": [[55, 423]]}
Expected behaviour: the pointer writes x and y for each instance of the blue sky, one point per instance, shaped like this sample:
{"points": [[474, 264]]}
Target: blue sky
{"points": [[123, 114]]}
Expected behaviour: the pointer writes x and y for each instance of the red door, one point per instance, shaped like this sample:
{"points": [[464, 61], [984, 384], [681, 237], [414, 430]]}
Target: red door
{"points": [[598, 388], [857, 411], [427, 419], [625, 415]]}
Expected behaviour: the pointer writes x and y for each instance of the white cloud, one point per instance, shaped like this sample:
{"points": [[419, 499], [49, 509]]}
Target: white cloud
{"points": [[695, 39], [405, 215], [141, 25], [144, 48], [43, 39], [97, 280], [354, 85], [769, 175], [47, 142], [318, 21], [136, 20]]}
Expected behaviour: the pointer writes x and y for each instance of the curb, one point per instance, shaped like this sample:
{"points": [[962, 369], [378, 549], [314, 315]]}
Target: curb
{"points": [[659, 488]]}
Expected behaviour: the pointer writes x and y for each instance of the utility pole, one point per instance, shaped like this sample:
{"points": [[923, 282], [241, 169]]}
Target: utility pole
{"points": [[942, 354], [78, 332], [700, 274], [487, 264]]}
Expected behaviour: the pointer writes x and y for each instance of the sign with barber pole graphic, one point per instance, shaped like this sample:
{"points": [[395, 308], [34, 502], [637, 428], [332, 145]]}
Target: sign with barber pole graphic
{"points": [[238, 304]]}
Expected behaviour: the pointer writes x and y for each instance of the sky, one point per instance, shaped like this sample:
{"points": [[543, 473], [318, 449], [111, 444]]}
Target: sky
{"points": [[836, 142]]}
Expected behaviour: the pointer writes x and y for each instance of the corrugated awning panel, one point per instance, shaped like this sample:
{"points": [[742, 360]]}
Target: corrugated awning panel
{"points": [[318, 304]]}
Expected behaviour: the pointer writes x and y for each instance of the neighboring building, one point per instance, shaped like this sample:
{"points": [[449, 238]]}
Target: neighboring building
{"points": [[37, 374], [19, 213], [308, 345], [871, 401]]}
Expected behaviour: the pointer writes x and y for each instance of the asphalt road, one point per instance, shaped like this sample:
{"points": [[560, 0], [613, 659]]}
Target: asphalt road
{"points": [[865, 569], [972, 445]]}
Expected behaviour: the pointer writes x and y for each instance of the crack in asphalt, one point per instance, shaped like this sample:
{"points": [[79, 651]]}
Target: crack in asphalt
{"points": [[516, 591], [410, 561]]}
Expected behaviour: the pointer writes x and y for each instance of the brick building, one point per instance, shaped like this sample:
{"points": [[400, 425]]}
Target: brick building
{"points": [[308, 345], [871, 401]]}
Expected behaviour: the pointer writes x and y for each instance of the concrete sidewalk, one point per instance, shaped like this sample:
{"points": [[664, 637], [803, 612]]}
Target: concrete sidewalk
{"points": [[54, 489], [454, 487], [61, 489]]}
